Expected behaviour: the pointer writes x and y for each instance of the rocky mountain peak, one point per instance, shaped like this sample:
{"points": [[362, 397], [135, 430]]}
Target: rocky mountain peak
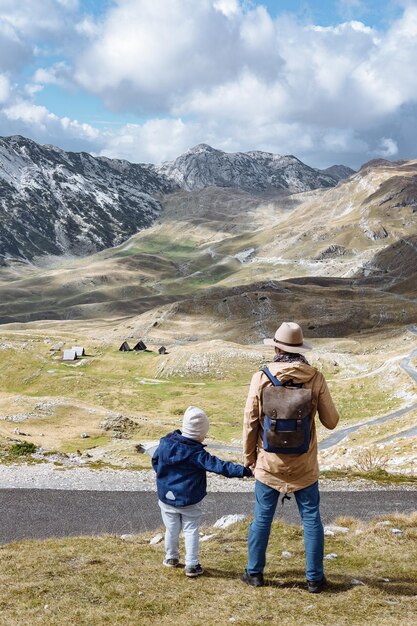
{"points": [[202, 148], [254, 171]]}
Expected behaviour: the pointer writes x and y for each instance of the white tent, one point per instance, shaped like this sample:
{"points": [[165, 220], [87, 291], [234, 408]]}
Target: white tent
{"points": [[69, 355]]}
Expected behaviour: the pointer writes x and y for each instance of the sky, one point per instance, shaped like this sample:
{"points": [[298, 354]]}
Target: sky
{"points": [[329, 81]]}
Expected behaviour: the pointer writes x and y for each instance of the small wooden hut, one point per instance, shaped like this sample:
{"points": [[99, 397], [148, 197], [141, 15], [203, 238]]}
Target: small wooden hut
{"points": [[140, 346], [69, 355], [79, 350]]}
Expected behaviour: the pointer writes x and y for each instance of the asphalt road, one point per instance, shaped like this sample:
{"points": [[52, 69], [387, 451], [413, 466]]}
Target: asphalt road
{"points": [[38, 513]]}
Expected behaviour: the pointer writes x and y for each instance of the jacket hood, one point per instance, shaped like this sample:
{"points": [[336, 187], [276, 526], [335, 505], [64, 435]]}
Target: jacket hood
{"points": [[300, 372], [174, 448]]}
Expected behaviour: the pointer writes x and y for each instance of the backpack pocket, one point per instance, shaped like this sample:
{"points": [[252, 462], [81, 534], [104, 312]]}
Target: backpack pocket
{"points": [[290, 436]]}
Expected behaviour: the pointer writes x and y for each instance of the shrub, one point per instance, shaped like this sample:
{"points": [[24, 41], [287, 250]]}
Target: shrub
{"points": [[23, 448], [371, 459]]}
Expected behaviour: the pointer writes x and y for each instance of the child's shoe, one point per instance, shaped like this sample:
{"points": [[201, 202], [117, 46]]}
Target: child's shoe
{"points": [[194, 570], [171, 562]]}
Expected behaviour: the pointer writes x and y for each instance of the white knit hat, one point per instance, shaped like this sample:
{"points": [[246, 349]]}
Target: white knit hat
{"points": [[195, 424]]}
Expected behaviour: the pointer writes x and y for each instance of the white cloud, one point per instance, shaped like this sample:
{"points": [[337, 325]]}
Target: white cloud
{"points": [[216, 61], [151, 54], [26, 22], [387, 148], [152, 142], [227, 7], [87, 27], [4, 88], [222, 72], [43, 123], [56, 74]]}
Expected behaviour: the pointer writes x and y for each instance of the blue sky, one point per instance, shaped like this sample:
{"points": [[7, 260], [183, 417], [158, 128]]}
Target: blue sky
{"points": [[328, 80]]}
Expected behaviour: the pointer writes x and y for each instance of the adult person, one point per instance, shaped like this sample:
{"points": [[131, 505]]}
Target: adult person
{"points": [[277, 473]]}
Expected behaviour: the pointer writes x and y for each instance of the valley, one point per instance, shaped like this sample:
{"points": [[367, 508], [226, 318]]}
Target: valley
{"points": [[216, 272]]}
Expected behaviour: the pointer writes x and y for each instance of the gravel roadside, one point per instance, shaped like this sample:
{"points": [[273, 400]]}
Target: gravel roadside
{"points": [[48, 476]]}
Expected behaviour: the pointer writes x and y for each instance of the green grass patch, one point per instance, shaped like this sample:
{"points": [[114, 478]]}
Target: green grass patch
{"points": [[159, 244], [72, 445]]}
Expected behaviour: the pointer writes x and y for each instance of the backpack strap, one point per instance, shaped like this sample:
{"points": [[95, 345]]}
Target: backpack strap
{"points": [[272, 378], [277, 383]]}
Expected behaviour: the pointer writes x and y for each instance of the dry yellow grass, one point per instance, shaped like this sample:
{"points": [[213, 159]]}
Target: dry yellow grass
{"points": [[104, 580]]}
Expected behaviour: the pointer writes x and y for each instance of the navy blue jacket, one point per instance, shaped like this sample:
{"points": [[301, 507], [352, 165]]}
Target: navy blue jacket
{"points": [[181, 463]]}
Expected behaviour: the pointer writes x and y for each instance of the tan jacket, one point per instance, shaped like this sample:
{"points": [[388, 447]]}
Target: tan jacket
{"points": [[286, 472]]}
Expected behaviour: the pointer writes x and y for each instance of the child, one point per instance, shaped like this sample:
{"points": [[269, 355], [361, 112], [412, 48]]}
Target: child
{"points": [[181, 462]]}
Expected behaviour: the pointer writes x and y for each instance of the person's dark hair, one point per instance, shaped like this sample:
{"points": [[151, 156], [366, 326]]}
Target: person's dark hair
{"points": [[290, 357]]}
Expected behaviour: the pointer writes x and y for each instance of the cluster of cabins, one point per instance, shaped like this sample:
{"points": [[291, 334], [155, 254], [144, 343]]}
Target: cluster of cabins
{"points": [[72, 354], [139, 347]]}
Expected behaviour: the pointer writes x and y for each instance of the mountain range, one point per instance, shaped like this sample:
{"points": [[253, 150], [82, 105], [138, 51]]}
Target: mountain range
{"points": [[54, 202]]}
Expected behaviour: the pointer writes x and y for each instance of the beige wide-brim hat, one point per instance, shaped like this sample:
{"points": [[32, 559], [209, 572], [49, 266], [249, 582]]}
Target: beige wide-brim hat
{"points": [[289, 337]]}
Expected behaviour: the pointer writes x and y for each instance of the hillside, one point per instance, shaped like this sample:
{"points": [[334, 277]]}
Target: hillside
{"points": [[211, 277], [55, 202], [339, 256]]}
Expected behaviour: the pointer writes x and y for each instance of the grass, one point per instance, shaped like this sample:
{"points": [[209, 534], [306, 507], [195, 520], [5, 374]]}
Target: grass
{"points": [[378, 475], [108, 380], [104, 580], [359, 400]]}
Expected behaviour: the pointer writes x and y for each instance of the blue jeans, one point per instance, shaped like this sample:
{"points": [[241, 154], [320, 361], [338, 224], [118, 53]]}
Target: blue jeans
{"points": [[308, 501]]}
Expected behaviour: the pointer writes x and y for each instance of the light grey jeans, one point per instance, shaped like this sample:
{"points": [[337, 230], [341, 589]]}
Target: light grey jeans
{"points": [[188, 519]]}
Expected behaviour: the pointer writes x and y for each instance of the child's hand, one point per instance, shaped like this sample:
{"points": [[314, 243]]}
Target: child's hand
{"points": [[250, 468]]}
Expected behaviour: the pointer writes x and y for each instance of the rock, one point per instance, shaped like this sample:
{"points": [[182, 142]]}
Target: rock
{"points": [[286, 554], [57, 346], [84, 436], [396, 531], [228, 520], [157, 539], [208, 537], [331, 556], [332, 530], [127, 537], [332, 251], [121, 426]]}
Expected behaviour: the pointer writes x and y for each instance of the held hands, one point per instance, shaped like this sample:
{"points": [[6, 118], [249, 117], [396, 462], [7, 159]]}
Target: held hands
{"points": [[251, 468]]}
